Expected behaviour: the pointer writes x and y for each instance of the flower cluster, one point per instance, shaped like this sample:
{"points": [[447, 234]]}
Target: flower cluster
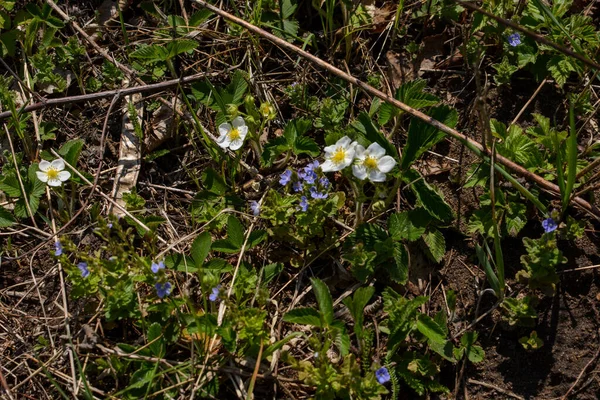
{"points": [[307, 182], [214, 295], [371, 163], [163, 289]]}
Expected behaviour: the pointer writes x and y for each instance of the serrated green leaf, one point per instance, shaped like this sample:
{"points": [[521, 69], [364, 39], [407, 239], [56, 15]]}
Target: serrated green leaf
{"points": [[306, 145], [428, 197], [410, 93], [201, 248], [369, 133], [356, 305], [409, 225], [179, 46], [430, 329], [399, 269], [6, 218], [213, 182], [303, 316], [435, 243], [342, 339], [235, 231], [152, 52], [234, 92], [155, 340], [422, 136], [10, 185], [271, 271], [323, 299], [71, 150]]}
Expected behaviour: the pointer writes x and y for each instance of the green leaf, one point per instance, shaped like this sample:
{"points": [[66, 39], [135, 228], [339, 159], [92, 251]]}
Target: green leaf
{"points": [[71, 150], [474, 353], [436, 244], [430, 329], [342, 339], [303, 316], [271, 271], [422, 136], [201, 248], [235, 231], [560, 68], [323, 299], [409, 225], [428, 197], [178, 46], [6, 218], [234, 92], [489, 271], [10, 186], [155, 340], [153, 52], [370, 134], [399, 269], [410, 93], [288, 8], [571, 157], [356, 305], [306, 145], [213, 182]]}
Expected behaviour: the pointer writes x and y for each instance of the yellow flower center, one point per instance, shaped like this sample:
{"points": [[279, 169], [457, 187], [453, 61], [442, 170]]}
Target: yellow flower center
{"points": [[339, 156], [52, 173], [234, 134], [370, 163]]}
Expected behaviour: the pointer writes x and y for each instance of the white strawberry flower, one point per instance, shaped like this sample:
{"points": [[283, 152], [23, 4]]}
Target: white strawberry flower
{"points": [[338, 156], [52, 172], [232, 135], [372, 163]]}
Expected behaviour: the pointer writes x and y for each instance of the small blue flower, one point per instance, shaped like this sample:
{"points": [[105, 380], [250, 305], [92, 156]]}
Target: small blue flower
{"points": [[514, 40], [157, 267], [83, 267], [286, 177], [309, 176], [304, 203], [549, 225], [324, 182], [255, 207], [382, 375], [163, 289], [110, 225], [297, 186], [58, 249], [215, 293], [316, 195]]}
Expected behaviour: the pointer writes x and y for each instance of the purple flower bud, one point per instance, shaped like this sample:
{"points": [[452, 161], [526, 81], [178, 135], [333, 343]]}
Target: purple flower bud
{"points": [[255, 207], [157, 267], [382, 375], [303, 203], [215, 293], [286, 177], [83, 267], [58, 249]]}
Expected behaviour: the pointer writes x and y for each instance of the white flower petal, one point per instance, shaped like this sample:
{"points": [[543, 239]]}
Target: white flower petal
{"points": [[236, 144], [328, 166], [223, 142], [58, 164], [44, 165], [54, 182], [224, 129], [359, 152], [330, 149], [386, 163], [376, 176], [42, 176], [344, 142], [238, 122], [349, 158], [359, 171], [375, 150], [64, 175], [243, 131]]}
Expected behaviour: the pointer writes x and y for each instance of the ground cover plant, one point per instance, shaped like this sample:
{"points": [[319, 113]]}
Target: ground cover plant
{"points": [[299, 199]]}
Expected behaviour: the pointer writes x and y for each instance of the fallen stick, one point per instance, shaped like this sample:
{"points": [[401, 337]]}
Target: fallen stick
{"points": [[470, 143]]}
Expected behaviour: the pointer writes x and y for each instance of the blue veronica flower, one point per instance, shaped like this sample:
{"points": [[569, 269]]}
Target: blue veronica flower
{"points": [[514, 40], [255, 207], [309, 176], [58, 249], [324, 182], [157, 267], [163, 289], [312, 166], [382, 375], [286, 177], [303, 203], [297, 186], [110, 225], [317, 195], [549, 225], [215, 293], [83, 267]]}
